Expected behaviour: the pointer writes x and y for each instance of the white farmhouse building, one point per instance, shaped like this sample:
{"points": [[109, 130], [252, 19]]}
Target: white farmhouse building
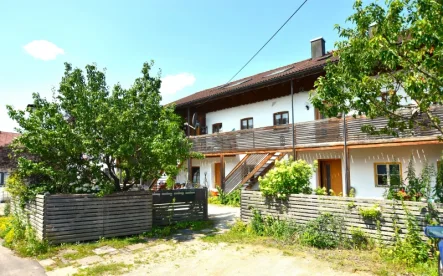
{"points": [[244, 126]]}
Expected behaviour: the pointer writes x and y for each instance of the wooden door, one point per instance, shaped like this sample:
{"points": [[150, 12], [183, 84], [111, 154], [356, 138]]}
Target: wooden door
{"points": [[217, 168], [331, 176]]}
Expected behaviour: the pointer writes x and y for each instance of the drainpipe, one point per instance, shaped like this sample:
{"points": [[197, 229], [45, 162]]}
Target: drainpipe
{"points": [[345, 154], [293, 128]]}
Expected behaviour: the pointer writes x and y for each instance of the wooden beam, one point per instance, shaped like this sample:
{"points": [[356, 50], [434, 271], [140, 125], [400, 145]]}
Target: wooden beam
{"points": [[320, 148], [396, 144], [246, 152], [238, 165], [261, 164]]}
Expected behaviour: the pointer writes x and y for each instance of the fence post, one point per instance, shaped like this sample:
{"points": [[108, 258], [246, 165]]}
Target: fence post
{"points": [[45, 217], [205, 206]]}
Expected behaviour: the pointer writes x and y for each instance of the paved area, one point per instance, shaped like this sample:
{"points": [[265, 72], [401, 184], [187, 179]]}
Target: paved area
{"points": [[11, 265], [223, 216]]}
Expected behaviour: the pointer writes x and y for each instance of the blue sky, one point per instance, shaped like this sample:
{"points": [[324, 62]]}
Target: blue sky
{"points": [[198, 44]]}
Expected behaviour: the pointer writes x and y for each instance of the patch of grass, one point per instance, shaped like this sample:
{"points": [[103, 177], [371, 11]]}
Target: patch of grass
{"points": [[367, 258], [84, 249], [104, 269]]}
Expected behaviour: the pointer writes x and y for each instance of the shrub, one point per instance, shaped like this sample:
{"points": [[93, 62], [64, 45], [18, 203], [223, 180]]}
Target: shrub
{"points": [[239, 227], [321, 191], [326, 231], [231, 199], [21, 237], [288, 177], [359, 239], [214, 200], [257, 224], [416, 186], [7, 209], [438, 189], [410, 250], [370, 213]]}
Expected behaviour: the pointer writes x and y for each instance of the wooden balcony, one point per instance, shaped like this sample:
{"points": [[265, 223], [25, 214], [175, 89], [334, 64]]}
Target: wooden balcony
{"points": [[312, 134]]}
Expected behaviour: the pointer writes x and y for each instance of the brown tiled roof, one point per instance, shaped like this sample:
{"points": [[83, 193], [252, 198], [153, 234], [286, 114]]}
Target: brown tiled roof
{"points": [[7, 137], [258, 79]]}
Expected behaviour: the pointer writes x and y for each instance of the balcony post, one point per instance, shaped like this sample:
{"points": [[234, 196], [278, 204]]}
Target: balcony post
{"points": [[190, 170], [222, 171], [293, 128], [188, 129]]}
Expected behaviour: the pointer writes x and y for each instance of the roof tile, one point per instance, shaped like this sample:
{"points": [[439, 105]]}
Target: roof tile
{"points": [[261, 78]]}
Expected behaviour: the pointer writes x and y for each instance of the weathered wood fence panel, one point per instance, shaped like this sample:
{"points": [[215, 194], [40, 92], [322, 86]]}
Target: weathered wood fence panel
{"points": [[71, 218], [303, 208], [172, 206], [30, 213]]}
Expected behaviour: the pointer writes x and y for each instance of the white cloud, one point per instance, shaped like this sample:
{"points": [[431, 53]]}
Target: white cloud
{"points": [[173, 83], [43, 49]]}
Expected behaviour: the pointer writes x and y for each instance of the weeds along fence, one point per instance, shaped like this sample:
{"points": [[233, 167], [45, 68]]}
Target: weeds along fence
{"points": [[171, 206], [303, 208], [82, 217]]}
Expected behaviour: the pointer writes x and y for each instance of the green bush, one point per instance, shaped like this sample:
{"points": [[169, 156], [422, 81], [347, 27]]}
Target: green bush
{"points": [[7, 209], [370, 213], [359, 239], [231, 199], [21, 237], [410, 250], [214, 200], [416, 186], [257, 225], [320, 191], [326, 231], [287, 177]]}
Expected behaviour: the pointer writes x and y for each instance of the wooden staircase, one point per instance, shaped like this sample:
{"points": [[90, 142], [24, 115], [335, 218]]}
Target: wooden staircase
{"points": [[250, 167], [262, 171]]}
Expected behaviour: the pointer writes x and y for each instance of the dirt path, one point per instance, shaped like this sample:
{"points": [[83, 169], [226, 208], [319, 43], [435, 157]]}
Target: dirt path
{"points": [[196, 257], [221, 259], [186, 254]]}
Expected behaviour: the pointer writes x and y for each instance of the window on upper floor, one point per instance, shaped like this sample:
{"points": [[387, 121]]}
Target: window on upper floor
{"points": [[216, 127], [387, 174], [246, 123], [281, 118]]}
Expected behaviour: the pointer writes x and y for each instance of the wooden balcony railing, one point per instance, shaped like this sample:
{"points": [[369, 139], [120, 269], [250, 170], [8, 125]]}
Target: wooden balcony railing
{"points": [[327, 132]]}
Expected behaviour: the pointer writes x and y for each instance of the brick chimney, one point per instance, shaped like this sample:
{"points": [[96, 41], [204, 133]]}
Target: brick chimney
{"points": [[318, 47]]}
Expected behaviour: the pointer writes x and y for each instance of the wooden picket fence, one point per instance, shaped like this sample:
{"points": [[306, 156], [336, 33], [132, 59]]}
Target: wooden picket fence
{"points": [[303, 208]]}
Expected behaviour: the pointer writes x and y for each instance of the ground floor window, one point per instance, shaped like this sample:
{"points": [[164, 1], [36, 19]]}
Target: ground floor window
{"points": [[387, 174], [195, 174], [2, 178]]}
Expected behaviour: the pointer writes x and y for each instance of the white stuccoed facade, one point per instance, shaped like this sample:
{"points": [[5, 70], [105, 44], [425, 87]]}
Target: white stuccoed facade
{"points": [[362, 176], [262, 112]]}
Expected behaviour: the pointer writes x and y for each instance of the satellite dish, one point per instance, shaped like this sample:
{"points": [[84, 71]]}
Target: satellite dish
{"points": [[194, 121]]}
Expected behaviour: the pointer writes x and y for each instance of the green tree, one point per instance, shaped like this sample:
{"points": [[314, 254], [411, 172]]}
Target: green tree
{"points": [[389, 61], [89, 134]]}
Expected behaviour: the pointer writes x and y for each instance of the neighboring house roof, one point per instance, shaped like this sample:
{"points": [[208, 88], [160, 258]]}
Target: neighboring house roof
{"points": [[270, 76], [7, 137]]}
